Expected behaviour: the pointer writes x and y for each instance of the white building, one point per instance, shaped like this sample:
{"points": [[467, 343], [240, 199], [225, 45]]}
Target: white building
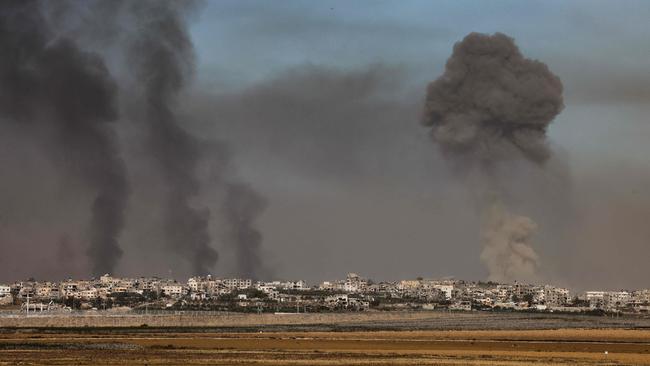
{"points": [[614, 299], [90, 293], [409, 285], [448, 290], [332, 285], [194, 283], [107, 279], [337, 300], [5, 290], [641, 296], [354, 283], [554, 296], [283, 285], [119, 289], [237, 283], [172, 290], [294, 285], [596, 299]]}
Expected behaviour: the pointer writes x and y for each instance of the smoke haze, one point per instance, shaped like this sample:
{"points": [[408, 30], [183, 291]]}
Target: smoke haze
{"points": [[315, 108]]}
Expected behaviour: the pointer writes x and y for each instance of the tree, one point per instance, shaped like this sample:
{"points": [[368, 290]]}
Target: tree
{"points": [[515, 298], [580, 302], [73, 303], [150, 295], [529, 299]]}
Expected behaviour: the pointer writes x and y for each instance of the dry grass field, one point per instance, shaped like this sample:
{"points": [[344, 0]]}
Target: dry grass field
{"points": [[511, 347], [379, 338]]}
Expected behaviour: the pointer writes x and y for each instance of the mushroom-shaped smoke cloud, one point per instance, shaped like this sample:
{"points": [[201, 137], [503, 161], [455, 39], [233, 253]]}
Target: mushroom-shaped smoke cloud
{"points": [[491, 106]]}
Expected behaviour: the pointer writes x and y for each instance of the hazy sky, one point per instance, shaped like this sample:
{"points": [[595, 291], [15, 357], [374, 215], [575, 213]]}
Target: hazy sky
{"points": [[387, 227], [319, 103]]}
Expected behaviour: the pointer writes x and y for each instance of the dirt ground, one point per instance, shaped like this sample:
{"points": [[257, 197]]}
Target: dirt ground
{"points": [[451, 347]]}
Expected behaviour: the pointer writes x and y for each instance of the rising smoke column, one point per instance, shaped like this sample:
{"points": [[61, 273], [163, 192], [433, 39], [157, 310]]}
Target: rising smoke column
{"points": [[49, 86], [241, 207], [490, 107], [163, 56], [507, 252]]}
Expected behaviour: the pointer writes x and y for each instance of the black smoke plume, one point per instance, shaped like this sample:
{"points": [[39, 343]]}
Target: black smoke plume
{"points": [[241, 207], [492, 103], [49, 86], [491, 106], [163, 56], [52, 85]]}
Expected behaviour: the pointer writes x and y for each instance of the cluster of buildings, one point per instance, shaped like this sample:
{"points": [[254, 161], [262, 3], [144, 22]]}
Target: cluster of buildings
{"points": [[352, 293]]}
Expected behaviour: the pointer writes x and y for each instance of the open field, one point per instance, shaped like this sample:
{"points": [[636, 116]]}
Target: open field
{"points": [[539, 347], [373, 338]]}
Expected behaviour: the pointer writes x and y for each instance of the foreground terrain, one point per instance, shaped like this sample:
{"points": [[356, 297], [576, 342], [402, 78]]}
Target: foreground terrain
{"points": [[540, 347], [418, 338]]}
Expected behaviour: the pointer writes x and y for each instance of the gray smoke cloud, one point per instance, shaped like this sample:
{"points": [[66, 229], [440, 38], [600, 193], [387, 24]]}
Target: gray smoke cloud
{"points": [[241, 207], [163, 57], [490, 107], [507, 252], [67, 66], [492, 103], [49, 86]]}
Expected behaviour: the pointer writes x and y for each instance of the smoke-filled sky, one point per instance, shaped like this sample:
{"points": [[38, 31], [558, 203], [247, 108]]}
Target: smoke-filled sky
{"points": [[307, 149]]}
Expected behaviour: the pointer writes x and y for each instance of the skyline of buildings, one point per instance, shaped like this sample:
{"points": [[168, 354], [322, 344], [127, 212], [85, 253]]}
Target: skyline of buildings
{"points": [[354, 292]]}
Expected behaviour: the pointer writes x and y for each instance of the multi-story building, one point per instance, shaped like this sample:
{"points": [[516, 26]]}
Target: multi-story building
{"points": [[195, 284], [332, 286], [641, 296], [5, 290], [284, 285], [409, 285], [596, 299], [237, 283], [617, 299], [354, 283], [554, 296], [172, 289], [447, 290], [382, 287], [47, 290], [69, 288], [149, 284], [89, 293]]}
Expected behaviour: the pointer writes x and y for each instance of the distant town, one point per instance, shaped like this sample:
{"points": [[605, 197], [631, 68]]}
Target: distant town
{"points": [[354, 293]]}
